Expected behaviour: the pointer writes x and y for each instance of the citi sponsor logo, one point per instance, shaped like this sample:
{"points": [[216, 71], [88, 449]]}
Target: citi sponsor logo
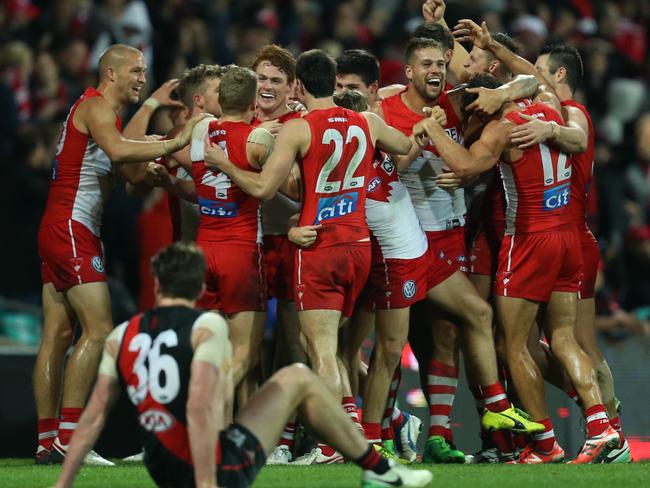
{"points": [[153, 420], [557, 197], [210, 208], [374, 184], [337, 206]]}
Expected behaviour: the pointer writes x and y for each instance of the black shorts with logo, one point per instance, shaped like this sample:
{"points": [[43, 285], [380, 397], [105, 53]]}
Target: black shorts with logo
{"points": [[241, 459]]}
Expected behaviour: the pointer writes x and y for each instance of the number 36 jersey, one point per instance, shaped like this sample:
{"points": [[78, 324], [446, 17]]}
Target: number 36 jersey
{"points": [[334, 173], [538, 184]]}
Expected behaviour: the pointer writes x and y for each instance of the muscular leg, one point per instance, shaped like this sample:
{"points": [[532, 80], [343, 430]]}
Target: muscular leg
{"points": [[320, 328], [549, 366], [586, 336], [390, 338], [57, 337], [516, 317], [292, 352], [354, 333], [482, 283], [92, 306], [560, 326], [246, 334]]}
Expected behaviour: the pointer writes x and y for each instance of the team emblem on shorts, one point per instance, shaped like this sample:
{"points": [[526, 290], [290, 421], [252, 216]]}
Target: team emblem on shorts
{"points": [[409, 289], [98, 264]]}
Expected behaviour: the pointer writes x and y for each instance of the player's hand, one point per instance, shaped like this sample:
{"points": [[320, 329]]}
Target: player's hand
{"points": [[215, 157], [273, 126], [164, 94], [433, 10], [185, 135], [420, 133], [304, 236], [156, 175], [436, 113], [448, 180], [488, 102], [469, 31], [153, 137], [532, 132], [296, 106]]}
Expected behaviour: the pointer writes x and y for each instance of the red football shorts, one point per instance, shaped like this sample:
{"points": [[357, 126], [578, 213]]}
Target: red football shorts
{"points": [[484, 253], [235, 280], [331, 278], [278, 262], [446, 254], [396, 283], [533, 265], [70, 254], [590, 260]]}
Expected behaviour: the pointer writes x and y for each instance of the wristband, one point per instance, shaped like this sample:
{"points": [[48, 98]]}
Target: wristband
{"points": [[154, 103]]}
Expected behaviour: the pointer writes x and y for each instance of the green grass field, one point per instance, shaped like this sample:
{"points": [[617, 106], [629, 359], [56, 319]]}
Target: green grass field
{"points": [[22, 473]]}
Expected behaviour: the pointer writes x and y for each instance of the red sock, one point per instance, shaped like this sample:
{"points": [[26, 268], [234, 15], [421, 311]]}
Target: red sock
{"points": [[371, 460], [544, 441], [47, 431], [286, 439], [573, 395], [442, 383], [495, 397], [69, 420], [372, 431], [351, 408], [520, 440], [386, 426], [502, 439], [597, 421], [616, 425], [327, 450]]}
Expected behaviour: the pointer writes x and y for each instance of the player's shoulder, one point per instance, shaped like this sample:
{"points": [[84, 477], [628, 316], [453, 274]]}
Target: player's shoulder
{"points": [[211, 322]]}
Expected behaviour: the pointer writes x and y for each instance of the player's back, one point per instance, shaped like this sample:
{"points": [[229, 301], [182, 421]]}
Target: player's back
{"points": [[582, 168], [334, 175], [153, 363], [538, 182], [226, 212], [80, 175]]}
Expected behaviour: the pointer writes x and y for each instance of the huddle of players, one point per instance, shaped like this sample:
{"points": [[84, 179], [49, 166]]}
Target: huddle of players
{"points": [[416, 238]]}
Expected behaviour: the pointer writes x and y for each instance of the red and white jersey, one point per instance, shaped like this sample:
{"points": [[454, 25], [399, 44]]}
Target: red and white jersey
{"points": [[226, 212], [81, 176], [582, 172], [390, 213], [538, 184], [277, 211], [334, 175], [436, 208]]}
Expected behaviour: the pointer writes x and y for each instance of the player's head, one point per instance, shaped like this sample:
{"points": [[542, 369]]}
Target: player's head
{"points": [[358, 70], [351, 99], [124, 67], [483, 61], [179, 271], [426, 67], [275, 68], [199, 88], [560, 64], [439, 33], [315, 74], [238, 91], [484, 80]]}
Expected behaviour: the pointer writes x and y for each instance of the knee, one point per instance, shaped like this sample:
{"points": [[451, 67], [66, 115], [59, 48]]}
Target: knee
{"points": [[563, 344], [389, 351], [296, 374]]}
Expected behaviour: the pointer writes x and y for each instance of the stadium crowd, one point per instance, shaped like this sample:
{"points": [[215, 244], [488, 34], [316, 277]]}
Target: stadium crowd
{"points": [[50, 53]]}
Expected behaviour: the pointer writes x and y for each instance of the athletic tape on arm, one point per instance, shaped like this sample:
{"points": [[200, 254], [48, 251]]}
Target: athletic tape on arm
{"points": [[262, 136], [107, 365], [216, 349]]}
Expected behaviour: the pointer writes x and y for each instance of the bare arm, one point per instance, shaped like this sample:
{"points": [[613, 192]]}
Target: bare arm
{"points": [[387, 138], [291, 186], [137, 126], [265, 184], [158, 175], [571, 138], [481, 155]]}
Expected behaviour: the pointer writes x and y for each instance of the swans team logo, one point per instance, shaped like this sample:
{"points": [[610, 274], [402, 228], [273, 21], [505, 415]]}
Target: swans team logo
{"points": [[98, 264], [409, 289]]}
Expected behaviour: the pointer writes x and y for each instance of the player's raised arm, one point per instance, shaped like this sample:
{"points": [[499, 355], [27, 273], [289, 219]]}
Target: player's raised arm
{"points": [[291, 139], [387, 138], [94, 416], [571, 138], [481, 155]]}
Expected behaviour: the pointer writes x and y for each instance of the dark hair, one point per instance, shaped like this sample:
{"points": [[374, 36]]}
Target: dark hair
{"points": [[567, 57], [278, 57], [192, 79], [484, 80], [180, 269], [358, 62], [238, 90], [316, 70], [352, 99], [416, 43], [435, 31], [509, 43]]}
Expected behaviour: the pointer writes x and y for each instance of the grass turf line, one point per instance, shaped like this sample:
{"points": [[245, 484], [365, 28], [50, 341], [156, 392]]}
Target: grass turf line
{"points": [[21, 473]]}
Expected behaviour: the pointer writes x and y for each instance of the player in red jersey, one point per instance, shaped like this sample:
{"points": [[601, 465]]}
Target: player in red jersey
{"points": [[537, 182], [74, 279], [188, 441], [330, 274]]}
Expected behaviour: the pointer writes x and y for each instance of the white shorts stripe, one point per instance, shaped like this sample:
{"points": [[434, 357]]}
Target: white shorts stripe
{"points": [[299, 294], [74, 247], [441, 381]]}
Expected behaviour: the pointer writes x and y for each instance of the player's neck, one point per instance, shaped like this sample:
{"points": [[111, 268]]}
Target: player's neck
{"points": [[415, 102], [245, 117], [162, 301], [323, 103], [563, 92], [276, 113], [111, 96]]}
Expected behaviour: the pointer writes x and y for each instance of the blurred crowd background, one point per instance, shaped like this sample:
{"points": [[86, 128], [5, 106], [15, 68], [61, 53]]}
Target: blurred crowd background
{"points": [[49, 51]]}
